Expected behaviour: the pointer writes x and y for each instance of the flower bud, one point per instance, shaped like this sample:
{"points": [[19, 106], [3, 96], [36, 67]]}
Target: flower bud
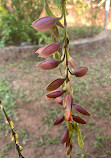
{"points": [[48, 64], [68, 115], [45, 23], [81, 110], [48, 50], [71, 63], [81, 71], [55, 93], [59, 120], [59, 100], [78, 120], [68, 101], [65, 137], [55, 84]]}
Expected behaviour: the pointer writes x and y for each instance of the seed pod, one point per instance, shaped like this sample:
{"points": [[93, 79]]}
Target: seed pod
{"points": [[68, 115], [55, 93], [65, 137], [56, 31], [48, 64], [48, 50], [81, 71], [78, 119], [59, 100], [55, 84], [59, 120], [71, 63], [81, 110], [45, 23], [68, 142]]}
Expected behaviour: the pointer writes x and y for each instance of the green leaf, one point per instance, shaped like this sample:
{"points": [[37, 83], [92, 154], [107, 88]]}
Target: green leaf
{"points": [[48, 11], [1, 9], [80, 141]]}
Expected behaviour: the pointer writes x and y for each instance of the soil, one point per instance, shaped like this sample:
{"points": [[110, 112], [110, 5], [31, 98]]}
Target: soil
{"points": [[30, 113]]}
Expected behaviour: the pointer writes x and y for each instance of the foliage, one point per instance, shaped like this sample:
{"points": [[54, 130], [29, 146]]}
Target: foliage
{"points": [[15, 20], [17, 16]]}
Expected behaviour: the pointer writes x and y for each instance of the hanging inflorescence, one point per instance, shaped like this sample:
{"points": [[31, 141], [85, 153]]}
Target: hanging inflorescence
{"points": [[64, 96]]}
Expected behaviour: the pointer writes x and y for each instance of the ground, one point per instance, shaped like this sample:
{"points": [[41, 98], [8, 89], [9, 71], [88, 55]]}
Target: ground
{"points": [[23, 96]]}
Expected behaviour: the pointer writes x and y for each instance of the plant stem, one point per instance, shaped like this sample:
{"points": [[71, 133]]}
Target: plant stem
{"points": [[12, 131], [69, 125]]}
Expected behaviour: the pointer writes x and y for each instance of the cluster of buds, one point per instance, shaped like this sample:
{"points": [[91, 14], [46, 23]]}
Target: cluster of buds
{"points": [[63, 96]]}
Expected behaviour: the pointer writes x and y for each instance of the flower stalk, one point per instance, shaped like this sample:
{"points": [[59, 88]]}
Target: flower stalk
{"points": [[63, 96], [14, 135]]}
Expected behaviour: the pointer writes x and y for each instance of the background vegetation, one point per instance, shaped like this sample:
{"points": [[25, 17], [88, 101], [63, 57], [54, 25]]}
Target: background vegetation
{"points": [[16, 17]]}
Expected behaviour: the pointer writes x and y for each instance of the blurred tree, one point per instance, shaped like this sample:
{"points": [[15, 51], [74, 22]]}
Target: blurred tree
{"points": [[16, 17]]}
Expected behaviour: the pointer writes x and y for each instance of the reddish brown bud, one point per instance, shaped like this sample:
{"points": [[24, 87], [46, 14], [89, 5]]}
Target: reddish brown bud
{"points": [[81, 110], [45, 23], [68, 115], [65, 137], [68, 142], [48, 64], [48, 50], [78, 120], [71, 63], [55, 93], [81, 71], [68, 102], [59, 100], [55, 84], [59, 120]]}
